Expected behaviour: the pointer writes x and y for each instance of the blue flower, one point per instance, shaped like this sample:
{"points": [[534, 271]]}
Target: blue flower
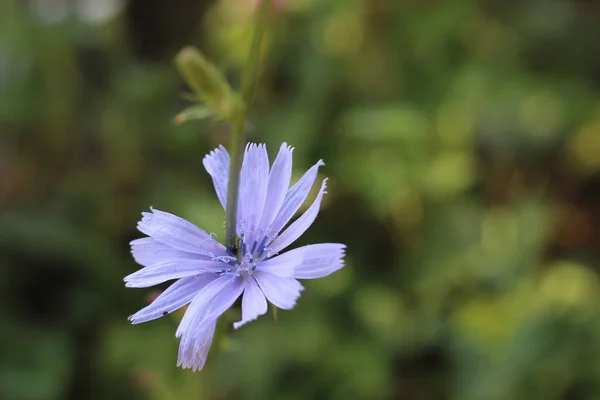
{"points": [[209, 276]]}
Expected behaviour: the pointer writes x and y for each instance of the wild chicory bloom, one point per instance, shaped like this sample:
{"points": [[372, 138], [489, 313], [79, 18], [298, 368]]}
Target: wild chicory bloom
{"points": [[209, 276]]}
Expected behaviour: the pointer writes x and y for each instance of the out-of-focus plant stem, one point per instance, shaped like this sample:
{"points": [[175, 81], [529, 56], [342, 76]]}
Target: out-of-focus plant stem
{"points": [[238, 134]]}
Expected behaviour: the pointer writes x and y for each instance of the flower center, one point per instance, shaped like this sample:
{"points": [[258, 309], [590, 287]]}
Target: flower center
{"points": [[249, 255], [247, 267], [257, 250]]}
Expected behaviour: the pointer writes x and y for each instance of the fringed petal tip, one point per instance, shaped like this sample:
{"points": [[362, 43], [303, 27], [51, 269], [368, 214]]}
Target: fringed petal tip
{"points": [[148, 213], [131, 278], [194, 348], [287, 147], [195, 366], [239, 324], [146, 219], [140, 283], [191, 363], [252, 145], [217, 164], [185, 365], [339, 249], [131, 319], [210, 159], [135, 319], [215, 152], [137, 241]]}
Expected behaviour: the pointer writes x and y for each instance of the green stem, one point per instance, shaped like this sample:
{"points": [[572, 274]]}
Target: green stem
{"points": [[238, 136]]}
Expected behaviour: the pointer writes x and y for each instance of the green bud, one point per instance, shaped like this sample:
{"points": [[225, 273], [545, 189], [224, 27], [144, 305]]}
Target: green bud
{"points": [[197, 112], [208, 84]]}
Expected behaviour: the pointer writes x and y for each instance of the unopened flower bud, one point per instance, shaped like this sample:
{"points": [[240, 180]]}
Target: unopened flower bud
{"points": [[207, 82]]}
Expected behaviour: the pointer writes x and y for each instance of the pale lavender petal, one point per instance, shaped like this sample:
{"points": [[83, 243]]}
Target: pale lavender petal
{"points": [[254, 178], [224, 299], [217, 165], [282, 292], [284, 265], [279, 182], [177, 295], [148, 251], [254, 303], [200, 319], [199, 306], [295, 230], [193, 350], [174, 269], [318, 260], [179, 234], [294, 198]]}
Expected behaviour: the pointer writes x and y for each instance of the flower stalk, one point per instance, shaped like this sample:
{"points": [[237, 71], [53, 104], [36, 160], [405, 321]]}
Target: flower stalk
{"points": [[238, 134]]}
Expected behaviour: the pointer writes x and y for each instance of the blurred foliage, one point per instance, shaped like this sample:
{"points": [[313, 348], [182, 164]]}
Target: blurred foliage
{"points": [[462, 142]]}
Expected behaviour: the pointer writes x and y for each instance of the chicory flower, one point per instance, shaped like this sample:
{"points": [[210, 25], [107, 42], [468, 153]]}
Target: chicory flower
{"points": [[210, 277]]}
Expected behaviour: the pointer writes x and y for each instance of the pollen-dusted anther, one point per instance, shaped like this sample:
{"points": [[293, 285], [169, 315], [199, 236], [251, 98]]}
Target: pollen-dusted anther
{"points": [[209, 277]]}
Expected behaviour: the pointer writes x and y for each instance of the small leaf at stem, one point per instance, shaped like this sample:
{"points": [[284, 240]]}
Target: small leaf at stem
{"points": [[198, 112]]}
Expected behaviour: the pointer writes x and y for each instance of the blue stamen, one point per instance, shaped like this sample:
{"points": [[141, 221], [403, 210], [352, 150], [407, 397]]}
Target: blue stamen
{"points": [[253, 248], [262, 246]]}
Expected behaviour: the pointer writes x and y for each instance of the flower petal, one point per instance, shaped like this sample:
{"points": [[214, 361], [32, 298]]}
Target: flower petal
{"points": [[197, 326], [224, 299], [254, 303], [217, 165], [168, 270], [295, 230], [179, 234], [176, 296], [284, 265], [254, 178], [294, 198], [319, 260], [282, 292], [193, 349], [279, 182], [224, 290], [148, 251]]}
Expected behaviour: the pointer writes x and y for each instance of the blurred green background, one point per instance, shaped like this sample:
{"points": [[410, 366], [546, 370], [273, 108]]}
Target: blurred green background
{"points": [[462, 142]]}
